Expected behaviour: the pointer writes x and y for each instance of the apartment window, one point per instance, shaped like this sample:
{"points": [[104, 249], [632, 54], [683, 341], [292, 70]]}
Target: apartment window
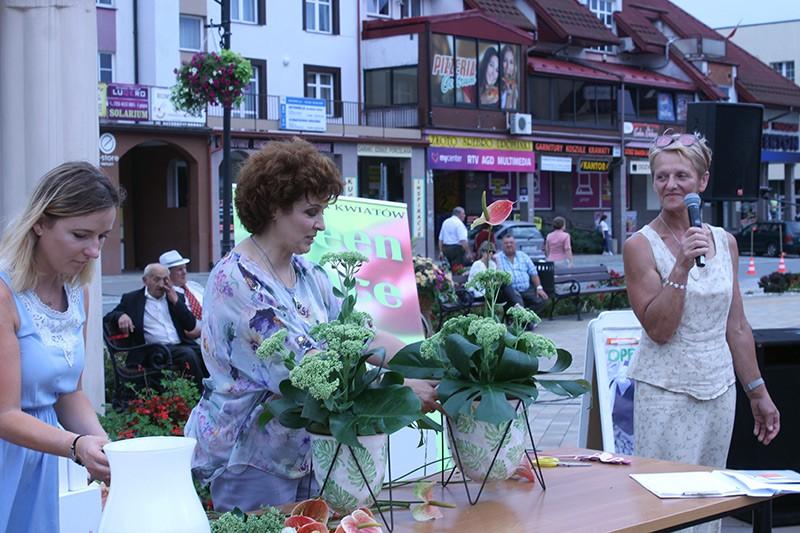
{"points": [[390, 86], [105, 67], [318, 15], [323, 83], [105, 3], [784, 68], [249, 106], [244, 11], [572, 101], [410, 8], [191, 33], [378, 8], [604, 10]]}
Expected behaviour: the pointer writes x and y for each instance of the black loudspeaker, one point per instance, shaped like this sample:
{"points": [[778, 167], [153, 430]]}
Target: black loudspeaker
{"points": [[778, 354], [733, 132]]}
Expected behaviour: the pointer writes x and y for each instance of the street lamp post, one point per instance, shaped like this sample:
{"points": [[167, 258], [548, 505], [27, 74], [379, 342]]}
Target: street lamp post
{"points": [[227, 179]]}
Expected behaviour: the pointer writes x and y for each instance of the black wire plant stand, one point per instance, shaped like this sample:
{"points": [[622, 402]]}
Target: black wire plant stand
{"points": [[535, 466], [445, 480]]}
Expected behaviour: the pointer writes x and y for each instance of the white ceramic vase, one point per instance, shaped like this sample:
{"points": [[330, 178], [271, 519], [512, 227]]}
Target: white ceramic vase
{"points": [[346, 490], [477, 442], [151, 487]]}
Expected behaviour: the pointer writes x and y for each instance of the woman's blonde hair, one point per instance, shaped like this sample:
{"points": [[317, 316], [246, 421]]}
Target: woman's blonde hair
{"points": [[698, 153], [69, 190]]}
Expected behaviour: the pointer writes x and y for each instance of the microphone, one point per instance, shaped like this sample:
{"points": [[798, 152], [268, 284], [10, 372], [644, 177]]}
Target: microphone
{"points": [[692, 202]]}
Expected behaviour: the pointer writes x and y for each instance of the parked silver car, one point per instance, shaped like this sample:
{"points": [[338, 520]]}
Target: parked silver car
{"points": [[528, 238]]}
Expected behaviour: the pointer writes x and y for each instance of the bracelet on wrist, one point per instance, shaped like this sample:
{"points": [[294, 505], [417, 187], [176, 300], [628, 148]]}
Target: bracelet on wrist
{"points": [[679, 286], [753, 385], [72, 454]]}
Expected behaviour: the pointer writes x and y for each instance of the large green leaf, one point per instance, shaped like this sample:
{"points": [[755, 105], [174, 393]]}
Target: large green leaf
{"points": [[315, 411], [343, 427], [292, 393], [276, 407], [566, 387], [515, 365], [460, 351], [447, 387], [493, 406], [562, 363], [389, 378], [291, 418], [460, 402], [527, 392], [411, 364], [390, 408]]}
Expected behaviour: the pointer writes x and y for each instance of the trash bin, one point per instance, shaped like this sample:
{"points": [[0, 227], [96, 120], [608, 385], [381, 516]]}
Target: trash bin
{"points": [[547, 272]]}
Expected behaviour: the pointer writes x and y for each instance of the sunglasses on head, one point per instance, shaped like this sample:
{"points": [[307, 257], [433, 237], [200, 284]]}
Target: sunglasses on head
{"points": [[686, 139]]}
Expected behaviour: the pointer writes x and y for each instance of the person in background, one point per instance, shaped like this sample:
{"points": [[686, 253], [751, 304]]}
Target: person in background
{"points": [[47, 257], [158, 314], [453, 243], [262, 286], [484, 234], [695, 333], [525, 282], [191, 290], [485, 261], [605, 231], [558, 246]]}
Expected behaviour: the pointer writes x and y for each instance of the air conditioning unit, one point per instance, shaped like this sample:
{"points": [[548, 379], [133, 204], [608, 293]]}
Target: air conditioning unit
{"points": [[520, 123]]}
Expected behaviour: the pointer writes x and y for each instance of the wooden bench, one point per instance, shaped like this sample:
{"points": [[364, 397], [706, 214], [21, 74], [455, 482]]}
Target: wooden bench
{"points": [[578, 281]]}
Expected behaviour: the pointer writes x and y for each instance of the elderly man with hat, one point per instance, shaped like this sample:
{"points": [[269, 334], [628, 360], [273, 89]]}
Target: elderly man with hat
{"points": [[191, 290]]}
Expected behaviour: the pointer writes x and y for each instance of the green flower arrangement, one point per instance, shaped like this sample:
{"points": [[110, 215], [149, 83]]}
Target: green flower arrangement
{"points": [[334, 391], [211, 79], [488, 359]]}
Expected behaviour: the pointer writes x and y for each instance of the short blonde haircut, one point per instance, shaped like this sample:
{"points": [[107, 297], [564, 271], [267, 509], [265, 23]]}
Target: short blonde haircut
{"points": [[698, 154], [69, 190]]}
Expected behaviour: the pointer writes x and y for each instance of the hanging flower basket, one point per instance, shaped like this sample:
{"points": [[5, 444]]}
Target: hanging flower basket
{"points": [[211, 79]]}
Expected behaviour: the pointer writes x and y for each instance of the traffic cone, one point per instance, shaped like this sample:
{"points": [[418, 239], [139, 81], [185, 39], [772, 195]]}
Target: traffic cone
{"points": [[751, 268], [782, 265]]}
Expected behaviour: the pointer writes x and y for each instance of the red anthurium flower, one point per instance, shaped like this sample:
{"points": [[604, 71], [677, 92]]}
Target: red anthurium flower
{"points": [[313, 527], [315, 509], [429, 508], [298, 521], [494, 214], [359, 521]]}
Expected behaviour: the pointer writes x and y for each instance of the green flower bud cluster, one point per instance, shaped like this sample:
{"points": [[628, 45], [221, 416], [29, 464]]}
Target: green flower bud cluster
{"points": [[537, 345], [274, 345], [314, 374]]}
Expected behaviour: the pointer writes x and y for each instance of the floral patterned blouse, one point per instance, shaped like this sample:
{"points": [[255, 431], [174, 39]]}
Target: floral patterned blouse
{"points": [[244, 305]]}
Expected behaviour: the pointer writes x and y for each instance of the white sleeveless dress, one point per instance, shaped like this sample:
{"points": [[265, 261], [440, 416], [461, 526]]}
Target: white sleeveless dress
{"points": [[684, 401]]}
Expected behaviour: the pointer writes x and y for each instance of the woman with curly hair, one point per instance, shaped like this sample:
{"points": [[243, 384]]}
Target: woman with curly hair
{"points": [[262, 286]]}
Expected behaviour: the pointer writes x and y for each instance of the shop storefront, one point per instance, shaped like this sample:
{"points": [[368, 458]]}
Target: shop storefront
{"points": [[573, 181], [464, 167]]}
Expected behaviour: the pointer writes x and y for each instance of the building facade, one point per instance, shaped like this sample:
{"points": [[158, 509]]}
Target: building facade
{"points": [[552, 104]]}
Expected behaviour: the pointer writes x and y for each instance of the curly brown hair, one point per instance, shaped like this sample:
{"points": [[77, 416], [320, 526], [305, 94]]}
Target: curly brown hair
{"points": [[279, 175]]}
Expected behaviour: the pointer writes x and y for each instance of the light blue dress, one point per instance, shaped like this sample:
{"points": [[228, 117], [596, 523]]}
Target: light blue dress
{"points": [[242, 306], [51, 360]]}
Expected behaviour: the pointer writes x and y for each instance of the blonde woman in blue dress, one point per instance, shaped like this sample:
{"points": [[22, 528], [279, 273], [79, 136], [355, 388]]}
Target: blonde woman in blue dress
{"points": [[695, 333], [47, 257]]}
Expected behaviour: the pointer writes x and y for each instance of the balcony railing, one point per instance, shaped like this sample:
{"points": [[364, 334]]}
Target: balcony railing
{"points": [[340, 113], [151, 105]]}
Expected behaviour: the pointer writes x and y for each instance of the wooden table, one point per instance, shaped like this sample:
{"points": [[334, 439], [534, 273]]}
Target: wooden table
{"points": [[598, 498]]}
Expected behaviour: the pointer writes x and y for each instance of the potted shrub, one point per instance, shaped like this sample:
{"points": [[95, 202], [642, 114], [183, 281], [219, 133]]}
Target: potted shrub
{"points": [[490, 374], [348, 408]]}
